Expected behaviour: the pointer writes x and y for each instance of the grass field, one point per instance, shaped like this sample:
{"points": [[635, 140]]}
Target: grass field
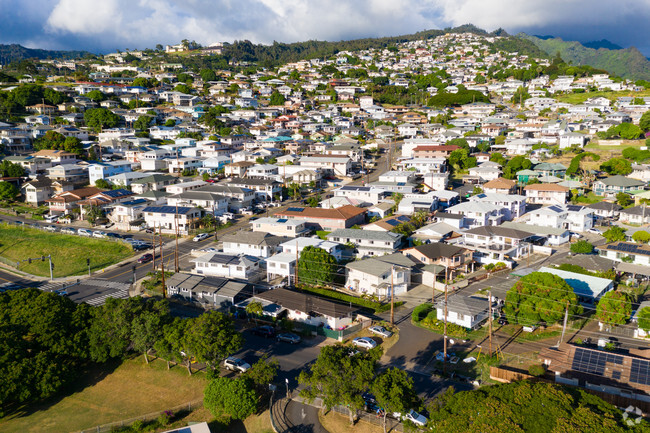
{"points": [[579, 98], [132, 389], [69, 252]]}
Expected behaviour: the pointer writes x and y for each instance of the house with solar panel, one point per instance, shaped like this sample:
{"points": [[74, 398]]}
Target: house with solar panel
{"points": [[571, 217], [637, 254], [170, 218], [209, 292], [623, 374], [368, 242], [237, 266], [280, 227]]}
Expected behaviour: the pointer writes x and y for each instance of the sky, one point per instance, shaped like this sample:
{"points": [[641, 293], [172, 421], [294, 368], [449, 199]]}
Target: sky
{"points": [[103, 26]]}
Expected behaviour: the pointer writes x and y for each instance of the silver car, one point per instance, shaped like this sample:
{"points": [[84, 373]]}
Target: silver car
{"points": [[364, 342], [288, 337], [381, 331], [236, 364]]}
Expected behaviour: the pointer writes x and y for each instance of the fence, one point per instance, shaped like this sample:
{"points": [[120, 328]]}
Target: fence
{"points": [[189, 406], [506, 375], [372, 418], [339, 335]]}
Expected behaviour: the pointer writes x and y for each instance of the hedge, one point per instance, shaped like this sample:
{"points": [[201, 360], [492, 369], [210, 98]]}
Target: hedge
{"points": [[377, 307]]}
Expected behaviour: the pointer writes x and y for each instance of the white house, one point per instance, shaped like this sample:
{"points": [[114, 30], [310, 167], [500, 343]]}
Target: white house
{"points": [[169, 218], [479, 213], [379, 275], [228, 266], [363, 194], [280, 227], [466, 311], [255, 244], [571, 217], [368, 242], [514, 205]]}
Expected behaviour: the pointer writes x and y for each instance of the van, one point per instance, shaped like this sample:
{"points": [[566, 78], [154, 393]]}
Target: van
{"points": [[51, 218]]}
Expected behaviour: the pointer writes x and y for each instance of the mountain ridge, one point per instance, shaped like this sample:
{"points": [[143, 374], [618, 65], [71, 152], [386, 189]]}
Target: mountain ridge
{"points": [[17, 52]]}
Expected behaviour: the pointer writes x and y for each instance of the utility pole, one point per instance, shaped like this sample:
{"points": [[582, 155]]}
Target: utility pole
{"points": [[88, 263], [51, 268], [566, 318], [490, 317], [153, 243], [176, 233], [162, 263], [444, 359], [134, 274], [392, 296], [295, 270]]}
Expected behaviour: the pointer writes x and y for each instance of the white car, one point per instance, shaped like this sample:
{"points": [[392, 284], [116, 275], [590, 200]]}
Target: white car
{"points": [[364, 342], [416, 418], [236, 364], [84, 232], [50, 228], [381, 331], [594, 231], [99, 234], [201, 236]]}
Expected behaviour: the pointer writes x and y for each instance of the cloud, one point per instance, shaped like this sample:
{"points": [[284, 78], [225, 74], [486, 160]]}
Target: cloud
{"points": [[111, 24]]}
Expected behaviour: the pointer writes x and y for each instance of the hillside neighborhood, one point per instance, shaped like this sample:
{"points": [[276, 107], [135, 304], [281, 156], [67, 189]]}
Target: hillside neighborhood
{"points": [[476, 201]]}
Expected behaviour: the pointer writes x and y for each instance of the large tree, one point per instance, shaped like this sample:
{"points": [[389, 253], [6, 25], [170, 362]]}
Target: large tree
{"points": [[233, 398], [643, 318], [395, 392], [339, 376], [540, 297], [8, 191], [212, 337], [316, 266], [614, 308], [614, 234], [10, 169], [100, 118], [147, 327]]}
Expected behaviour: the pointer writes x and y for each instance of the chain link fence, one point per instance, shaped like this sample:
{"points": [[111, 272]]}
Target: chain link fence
{"points": [[189, 406]]}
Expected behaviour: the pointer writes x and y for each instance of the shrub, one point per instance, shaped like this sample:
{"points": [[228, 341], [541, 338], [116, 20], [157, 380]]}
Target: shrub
{"points": [[582, 247], [421, 311]]}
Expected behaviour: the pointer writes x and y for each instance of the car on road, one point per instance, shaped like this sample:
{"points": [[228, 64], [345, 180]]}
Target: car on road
{"points": [[247, 212], [50, 228], [201, 236], [264, 331], [236, 364], [575, 235], [140, 246], [289, 337], [99, 234], [114, 235], [381, 331], [594, 231], [416, 418], [364, 342], [145, 258], [84, 232], [209, 250], [68, 231]]}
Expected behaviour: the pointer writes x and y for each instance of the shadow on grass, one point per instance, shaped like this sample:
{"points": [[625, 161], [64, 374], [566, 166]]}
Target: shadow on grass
{"points": [[89, 375]]}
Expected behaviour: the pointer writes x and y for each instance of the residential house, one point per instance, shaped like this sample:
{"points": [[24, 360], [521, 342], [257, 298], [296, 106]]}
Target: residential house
{"points": [[500, 186], [496, 244], [127, 215], [514, 205], [467, 311], [255, 244], [215, 204], [382, 276], [105, 199], [610, 186], [571, 217], [37, 191], [325, 219], [637, 254], [295, 246], [280, 227], [485, 172], [479, 213], [209, 292], [367, 242], [362, 194], [105, 169], [32, 165], [238, 169], [240, 266], [453, 258], [264, 189], [330, 164], [64, 202], [605, 209], [546, 194], [309, 309], [73, 173], [388, 224], [172, 218], [555, 235], [152, 182], [635, 215]]}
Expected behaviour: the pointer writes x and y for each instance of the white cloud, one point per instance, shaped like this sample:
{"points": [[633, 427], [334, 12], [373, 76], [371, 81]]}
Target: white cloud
{"points": [[110, 24]]}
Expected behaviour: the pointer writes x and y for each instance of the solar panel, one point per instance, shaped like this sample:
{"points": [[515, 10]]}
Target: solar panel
{"points": [[295, 209], [593, 361], [640, 372], [616, 375], [392, 222]]}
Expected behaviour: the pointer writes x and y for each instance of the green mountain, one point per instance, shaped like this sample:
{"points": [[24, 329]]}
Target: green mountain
{"points": [[626, 63], [15, 52]]}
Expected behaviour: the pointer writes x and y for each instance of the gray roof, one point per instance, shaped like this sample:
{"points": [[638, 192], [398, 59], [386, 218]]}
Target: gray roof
{"points": [[621, 181], [534, 229], [605, 205], [467, 305], [499, 231], [365, 235], [254, 238], [584, 285], [307, 303]]}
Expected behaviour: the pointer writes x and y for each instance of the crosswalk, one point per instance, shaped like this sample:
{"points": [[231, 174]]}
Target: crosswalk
{"points": [[50, 286], [101, 299]]}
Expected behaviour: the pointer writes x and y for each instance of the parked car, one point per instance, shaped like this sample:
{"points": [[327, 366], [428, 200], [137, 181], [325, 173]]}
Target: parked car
{"points": [[381, 331], [364, 342], [51, 218], [236, 364], [575, 235], [201, 236], [594, 231], [68, 231], [288, 337], [85, 232], [416, 418], [50, 228], [99, 234], [141, 246], [264, 331], [114, 235], [145, 258], [209, 250]]}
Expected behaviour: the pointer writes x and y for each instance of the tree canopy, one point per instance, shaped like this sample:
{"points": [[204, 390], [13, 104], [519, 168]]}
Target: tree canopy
{"points": [[614, 308], [540, 297], [617, 166], [614, 234], [100, 118], [232, 398], [10, 169], [582, 247], [316, 266]]}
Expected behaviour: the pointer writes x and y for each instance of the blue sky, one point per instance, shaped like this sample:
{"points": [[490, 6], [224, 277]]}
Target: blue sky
{"points": [[107, 25]]}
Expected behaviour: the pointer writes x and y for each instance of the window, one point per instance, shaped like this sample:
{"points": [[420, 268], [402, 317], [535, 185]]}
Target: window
{"points": [[461, 316], [239, 268]]}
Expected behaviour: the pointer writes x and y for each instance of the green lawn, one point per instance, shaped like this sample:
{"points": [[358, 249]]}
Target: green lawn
{"points": [[69, 252], [131, 390], [579, 98]]}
